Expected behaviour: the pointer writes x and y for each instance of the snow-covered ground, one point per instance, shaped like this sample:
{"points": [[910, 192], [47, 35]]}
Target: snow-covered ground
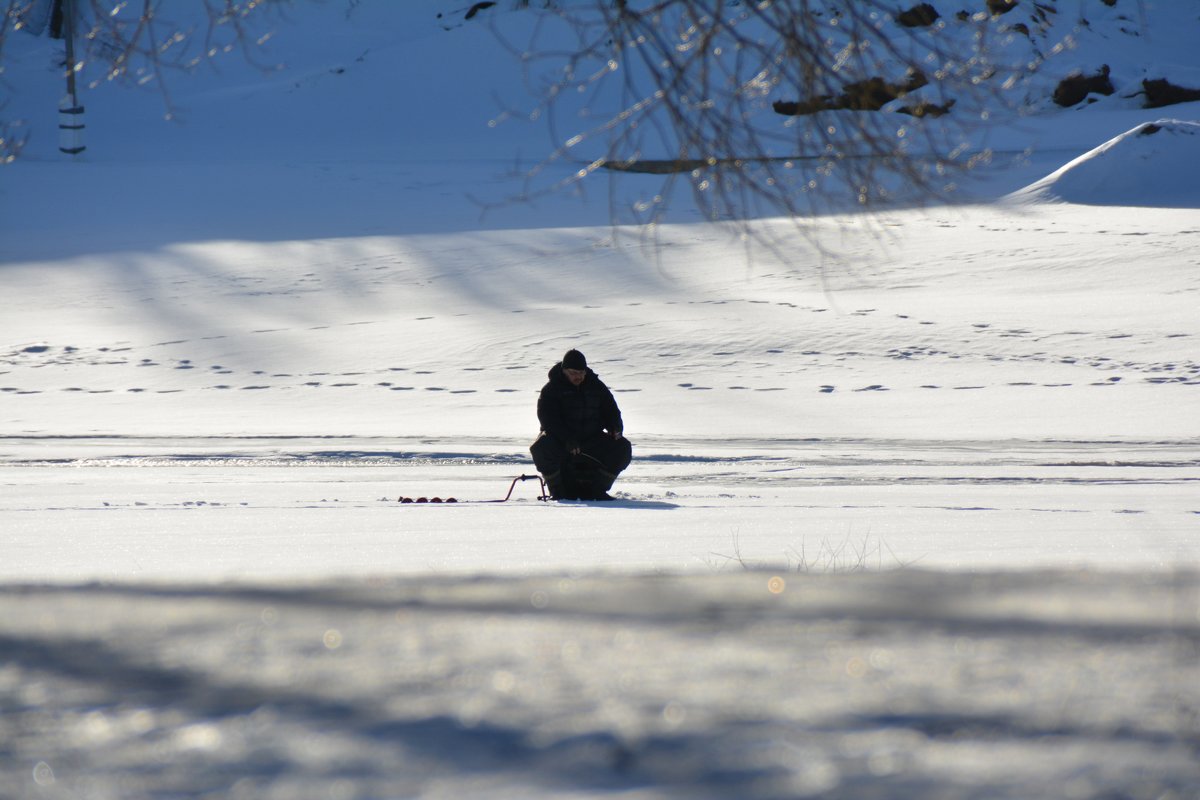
{"points": [[900, 684], [913, 510], [985, 387]]}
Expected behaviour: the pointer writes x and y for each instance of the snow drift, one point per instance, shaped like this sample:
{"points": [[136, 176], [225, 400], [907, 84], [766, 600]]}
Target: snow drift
{"points": [[1154, 164]]}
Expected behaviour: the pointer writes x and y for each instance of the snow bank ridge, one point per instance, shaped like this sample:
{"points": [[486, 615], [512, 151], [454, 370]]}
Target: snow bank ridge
{"points": [[1154, 164]]}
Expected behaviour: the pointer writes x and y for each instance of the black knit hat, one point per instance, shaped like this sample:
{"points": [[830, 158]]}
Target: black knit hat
{"points": [[574, 360]]}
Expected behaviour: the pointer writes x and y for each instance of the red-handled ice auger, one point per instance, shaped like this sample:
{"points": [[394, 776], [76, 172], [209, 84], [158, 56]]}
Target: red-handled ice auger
{"points": [[543, 496]]}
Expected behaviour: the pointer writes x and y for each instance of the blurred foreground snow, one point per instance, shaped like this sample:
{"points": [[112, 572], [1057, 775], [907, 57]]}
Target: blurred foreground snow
{"points": [[901, 684]]}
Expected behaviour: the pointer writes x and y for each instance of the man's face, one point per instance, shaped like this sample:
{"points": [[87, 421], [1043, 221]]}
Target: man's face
{"points": [[575, 376]]}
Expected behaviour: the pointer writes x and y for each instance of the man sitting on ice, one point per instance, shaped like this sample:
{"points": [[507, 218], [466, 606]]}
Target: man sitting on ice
{"points": [[582, 447]]}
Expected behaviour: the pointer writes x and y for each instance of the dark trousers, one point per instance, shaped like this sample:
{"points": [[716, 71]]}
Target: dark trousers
{"points": [[601, 459]]}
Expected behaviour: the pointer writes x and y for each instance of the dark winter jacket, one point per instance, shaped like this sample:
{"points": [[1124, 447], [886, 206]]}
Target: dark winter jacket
{"points": [[573, 414]]}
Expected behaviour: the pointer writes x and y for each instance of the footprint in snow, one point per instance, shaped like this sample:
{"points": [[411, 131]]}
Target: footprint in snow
{"points": [[875, 387]]}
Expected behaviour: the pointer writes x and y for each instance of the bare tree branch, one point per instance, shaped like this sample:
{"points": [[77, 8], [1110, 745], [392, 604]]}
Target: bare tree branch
{"points": [[138, 43], [11, 140], [763, 106]]}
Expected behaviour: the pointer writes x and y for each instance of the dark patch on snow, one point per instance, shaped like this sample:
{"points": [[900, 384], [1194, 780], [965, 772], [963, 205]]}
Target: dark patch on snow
{"points": [[1074, 89], [1161, 92], [919, 16]]}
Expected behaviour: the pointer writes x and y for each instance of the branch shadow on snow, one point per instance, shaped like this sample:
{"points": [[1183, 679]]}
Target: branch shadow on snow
{"points": [[899, 600], [162, 205], [272, 289], [394, 730], [418, 748]]}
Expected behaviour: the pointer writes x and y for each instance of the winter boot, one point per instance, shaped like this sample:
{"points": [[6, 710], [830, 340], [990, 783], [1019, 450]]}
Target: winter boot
{"points": [[557, 488], [594, 481]]}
